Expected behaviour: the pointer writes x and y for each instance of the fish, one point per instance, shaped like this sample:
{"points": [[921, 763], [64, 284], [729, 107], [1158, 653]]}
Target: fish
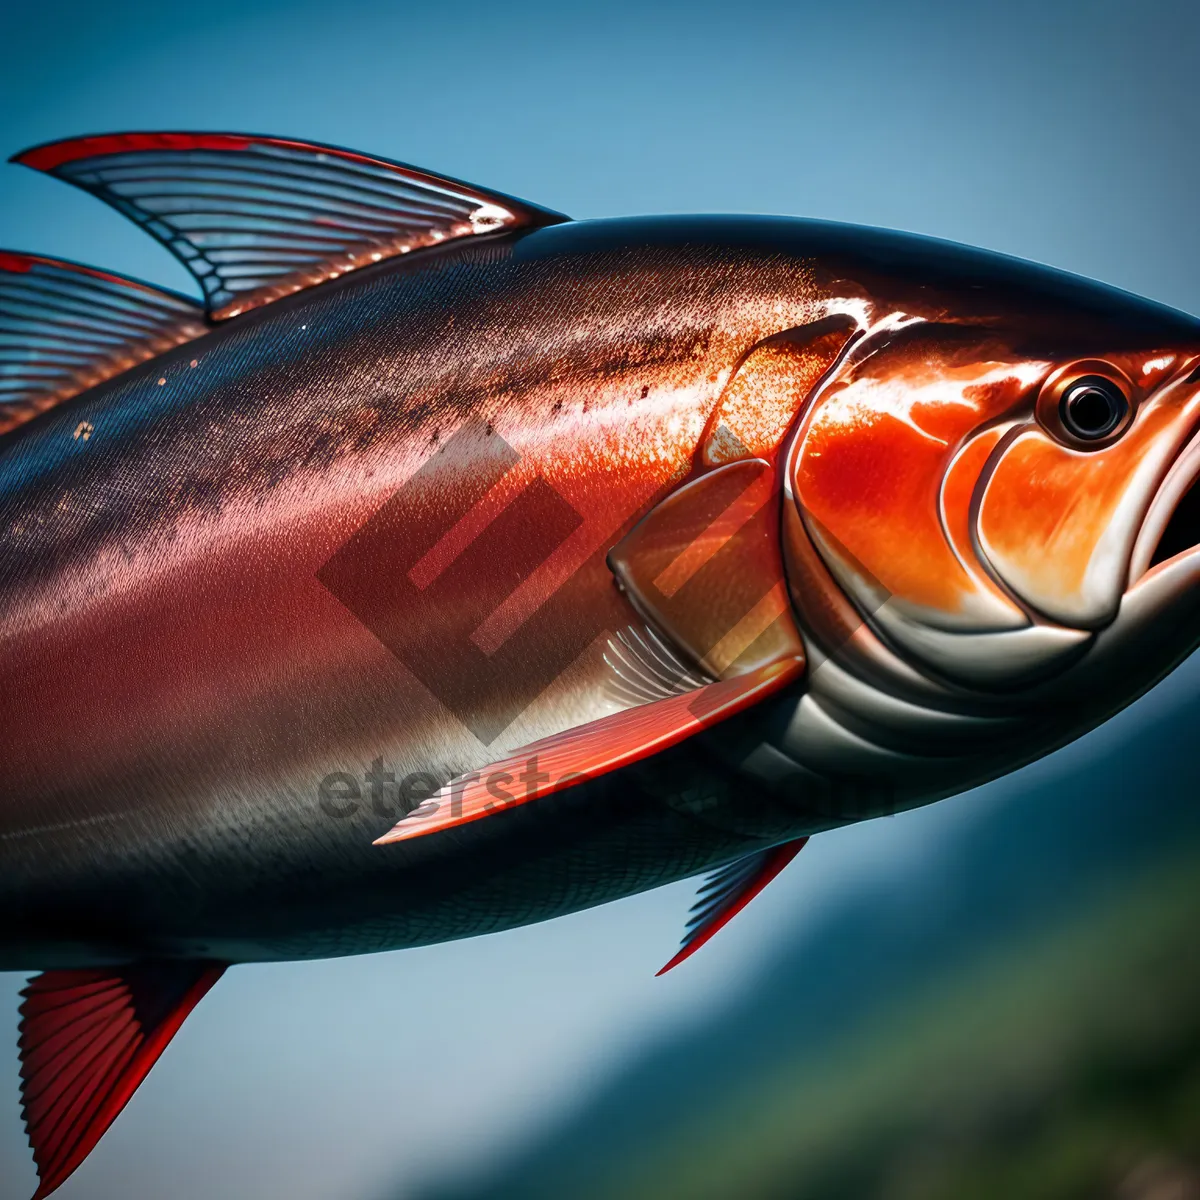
{"points": [[446, 565]]}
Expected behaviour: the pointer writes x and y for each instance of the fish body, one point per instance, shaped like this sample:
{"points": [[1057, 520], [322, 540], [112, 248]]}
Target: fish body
{"points": [[736, 529], [186, 722]]}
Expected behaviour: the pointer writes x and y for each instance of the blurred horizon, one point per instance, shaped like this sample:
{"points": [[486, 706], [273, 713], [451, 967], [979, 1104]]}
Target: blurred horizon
{"points": [[1059, 132]]}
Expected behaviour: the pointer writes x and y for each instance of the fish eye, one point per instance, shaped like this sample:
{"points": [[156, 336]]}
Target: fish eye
{"points": [[1086, 405], [1092, 408]]}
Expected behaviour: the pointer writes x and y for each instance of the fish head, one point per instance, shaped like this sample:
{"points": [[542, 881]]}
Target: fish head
{"points": [[1001, 494]]}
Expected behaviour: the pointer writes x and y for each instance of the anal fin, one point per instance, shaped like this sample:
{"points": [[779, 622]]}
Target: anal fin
{"points": [[88, 1038]]}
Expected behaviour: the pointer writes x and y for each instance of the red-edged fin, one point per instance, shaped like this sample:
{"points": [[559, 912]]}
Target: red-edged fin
{"points": [[65, 327], [588, 751], [726, 892], [256, 218], [88, 1039]]}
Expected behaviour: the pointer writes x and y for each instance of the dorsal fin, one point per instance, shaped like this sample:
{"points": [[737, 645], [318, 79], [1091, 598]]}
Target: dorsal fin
{"points": [[88, 1039], [256, 218], [65, 328]]}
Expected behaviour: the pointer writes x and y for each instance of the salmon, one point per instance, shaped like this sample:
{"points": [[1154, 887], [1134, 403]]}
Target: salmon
{"points": [[450, 565]]}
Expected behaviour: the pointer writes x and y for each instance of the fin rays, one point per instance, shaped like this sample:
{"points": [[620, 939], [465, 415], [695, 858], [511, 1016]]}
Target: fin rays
{"points": [[65, 328], [256, 218], [727, 891], [87, 1040], [645, 669]]}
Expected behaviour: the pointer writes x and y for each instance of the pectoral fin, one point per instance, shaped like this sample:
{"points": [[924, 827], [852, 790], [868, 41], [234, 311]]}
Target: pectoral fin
{"points": [[704, 568], [590, 750]]}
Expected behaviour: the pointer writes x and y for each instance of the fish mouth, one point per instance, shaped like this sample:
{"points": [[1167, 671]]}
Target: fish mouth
{"points": [[1171, 528]]}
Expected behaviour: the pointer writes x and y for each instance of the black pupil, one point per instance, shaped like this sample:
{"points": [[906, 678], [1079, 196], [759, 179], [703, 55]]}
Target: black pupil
{"points": [[1092, 408]]}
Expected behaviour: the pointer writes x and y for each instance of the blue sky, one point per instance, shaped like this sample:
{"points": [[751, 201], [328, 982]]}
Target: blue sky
{"points": [[1065, 133]]}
